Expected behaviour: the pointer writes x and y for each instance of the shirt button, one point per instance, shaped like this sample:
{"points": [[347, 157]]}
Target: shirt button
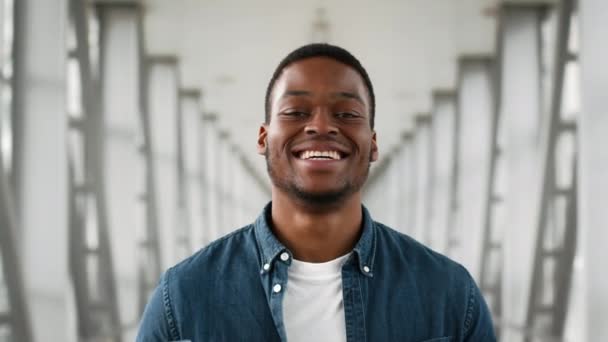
{"points": [[266, 267], [277, 288], [366, 269], [285, 256]]}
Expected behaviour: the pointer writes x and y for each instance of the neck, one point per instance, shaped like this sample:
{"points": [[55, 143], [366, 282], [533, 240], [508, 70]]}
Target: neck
{"points": [[315, 234]]}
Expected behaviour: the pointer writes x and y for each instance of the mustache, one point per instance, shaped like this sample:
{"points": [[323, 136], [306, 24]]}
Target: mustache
{"points": [[324, 138]]}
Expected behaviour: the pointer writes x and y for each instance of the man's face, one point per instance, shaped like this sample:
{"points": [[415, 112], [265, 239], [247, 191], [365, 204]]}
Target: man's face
{"points": [[318, 143]]}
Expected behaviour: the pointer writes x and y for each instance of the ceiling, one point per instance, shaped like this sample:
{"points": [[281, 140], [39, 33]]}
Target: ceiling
{"points": [[229, 49]]}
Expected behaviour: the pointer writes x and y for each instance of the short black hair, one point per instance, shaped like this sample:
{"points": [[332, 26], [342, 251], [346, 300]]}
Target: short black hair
{"points": [[322, 50]]}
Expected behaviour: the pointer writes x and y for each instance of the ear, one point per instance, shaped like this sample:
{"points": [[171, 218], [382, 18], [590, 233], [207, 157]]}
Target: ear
{"points": [[262, 139], [374, 150]]}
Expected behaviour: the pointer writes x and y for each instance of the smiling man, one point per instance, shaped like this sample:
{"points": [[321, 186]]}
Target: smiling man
{"points": [[314, 266]]}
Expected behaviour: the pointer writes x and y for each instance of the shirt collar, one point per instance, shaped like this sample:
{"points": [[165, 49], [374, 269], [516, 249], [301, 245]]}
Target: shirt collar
{"points": [[270, 247]]}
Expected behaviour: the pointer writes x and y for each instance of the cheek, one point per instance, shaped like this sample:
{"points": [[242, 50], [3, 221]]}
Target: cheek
{"points": [[278, 138], [274, 150]]}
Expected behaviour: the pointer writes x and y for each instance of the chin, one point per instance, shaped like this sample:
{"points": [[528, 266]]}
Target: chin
{"points": [[323, 197]]}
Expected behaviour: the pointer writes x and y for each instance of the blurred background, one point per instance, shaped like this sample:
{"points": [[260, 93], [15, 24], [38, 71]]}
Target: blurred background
{"points": [[128, 133]]}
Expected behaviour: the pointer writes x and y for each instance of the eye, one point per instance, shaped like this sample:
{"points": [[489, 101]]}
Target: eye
{"points": [[346, 115], [295, 113]]}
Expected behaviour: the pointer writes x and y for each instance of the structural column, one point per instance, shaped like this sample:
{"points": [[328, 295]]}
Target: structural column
{"points": [[163, 83], [211, 154], [443, 127], [41, 164], [377, 191], [423, 176], [225, 182], [408, 192], [123, 166], [520, 107], [475, 112], [191, 133], [394, 183], [256, 187], [593, 164], [239, 190]]}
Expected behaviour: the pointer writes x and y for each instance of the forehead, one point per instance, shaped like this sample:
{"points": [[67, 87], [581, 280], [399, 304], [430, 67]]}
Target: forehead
{"points": [[319, 75]]}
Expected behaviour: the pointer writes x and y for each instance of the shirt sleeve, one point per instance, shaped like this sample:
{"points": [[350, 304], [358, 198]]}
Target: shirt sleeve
{"points": [[478, 324], [156, 322]]}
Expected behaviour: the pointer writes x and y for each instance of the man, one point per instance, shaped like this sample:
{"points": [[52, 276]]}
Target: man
{"points": [[314, 266]]}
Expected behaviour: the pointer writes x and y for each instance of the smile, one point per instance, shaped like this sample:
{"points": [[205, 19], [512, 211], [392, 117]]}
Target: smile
{"points": [[320, 155]]}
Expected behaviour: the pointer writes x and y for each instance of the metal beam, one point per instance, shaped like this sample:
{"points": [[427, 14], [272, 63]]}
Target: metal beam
{"points": [[40, 157], [490, 264], [555, 239], [212, 145], [124, 166], [18, 318], [443, 133], [190, 186], [223, 180], [150, 261], [409, 184], [594, 165], [163, 108], [91, 262], [423, 148], [475, 113], [520, 106]]}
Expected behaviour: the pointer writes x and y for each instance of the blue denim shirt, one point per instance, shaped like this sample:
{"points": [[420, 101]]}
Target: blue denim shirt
{"points": [[394, 289]]}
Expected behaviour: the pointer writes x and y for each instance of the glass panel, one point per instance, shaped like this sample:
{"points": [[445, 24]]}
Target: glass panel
{"points": [[571, 103], [5, 334], [71, 36], [91, 230], [556, 223], [6, 73], [74, 89], [6, 126], [93, 26], [6, 40], [93, 273], [573, 39], [565, 154], [548, 49], [3, 290], [76, 152]]}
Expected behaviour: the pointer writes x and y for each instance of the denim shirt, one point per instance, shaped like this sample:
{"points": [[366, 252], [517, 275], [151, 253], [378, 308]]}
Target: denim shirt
{"points": [[394, 289]]}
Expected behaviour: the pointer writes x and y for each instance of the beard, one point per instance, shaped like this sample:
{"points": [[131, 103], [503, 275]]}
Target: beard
{"points": [[330, 198]]}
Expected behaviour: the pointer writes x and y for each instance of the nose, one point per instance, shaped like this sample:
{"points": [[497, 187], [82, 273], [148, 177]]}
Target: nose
{"points": [[321, 122]]}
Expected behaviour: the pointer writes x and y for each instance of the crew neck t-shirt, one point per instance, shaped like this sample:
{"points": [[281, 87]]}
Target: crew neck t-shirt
{"points": [[313, 306]]}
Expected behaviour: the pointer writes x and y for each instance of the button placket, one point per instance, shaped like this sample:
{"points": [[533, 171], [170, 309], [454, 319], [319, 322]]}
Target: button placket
{"points": [[284, 256], [276, 282]]}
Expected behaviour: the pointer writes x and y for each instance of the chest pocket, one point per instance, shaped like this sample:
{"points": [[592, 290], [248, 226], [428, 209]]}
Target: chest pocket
{"points": [[439, 339]]}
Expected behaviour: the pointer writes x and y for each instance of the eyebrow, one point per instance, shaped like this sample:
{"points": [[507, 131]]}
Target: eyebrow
{"points": [[350, 96], [296, 93], [338, 94]]}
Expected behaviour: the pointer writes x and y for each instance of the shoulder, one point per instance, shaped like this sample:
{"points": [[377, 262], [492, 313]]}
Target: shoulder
{"points": [[236, 247], [432, 275], [186, 287], [417, 256], [208, 275], [438, 280]]}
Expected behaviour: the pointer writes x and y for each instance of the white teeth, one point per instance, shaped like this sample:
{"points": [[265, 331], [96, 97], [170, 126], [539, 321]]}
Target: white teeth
{"points": [[320, 155]]}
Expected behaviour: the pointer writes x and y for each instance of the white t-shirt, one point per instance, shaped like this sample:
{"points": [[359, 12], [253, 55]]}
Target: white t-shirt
{"points": [[313, 306]]}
